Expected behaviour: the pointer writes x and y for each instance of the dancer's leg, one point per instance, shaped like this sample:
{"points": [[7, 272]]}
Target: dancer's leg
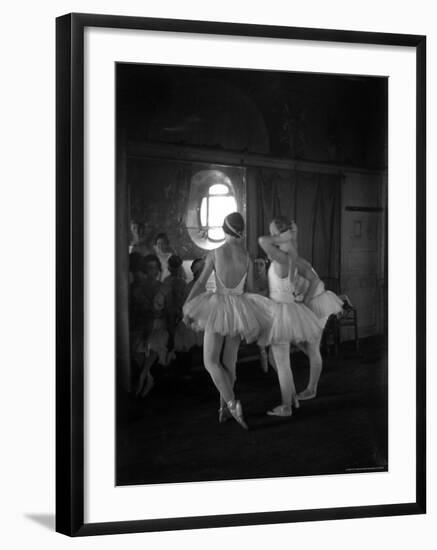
{"points": [[145, 380], [229, 360], [316, 365], [281, 355], [212, 345], [230, 353]]}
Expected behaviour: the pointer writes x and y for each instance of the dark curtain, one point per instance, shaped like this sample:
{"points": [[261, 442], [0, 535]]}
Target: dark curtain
{"points": [[311, 199]]}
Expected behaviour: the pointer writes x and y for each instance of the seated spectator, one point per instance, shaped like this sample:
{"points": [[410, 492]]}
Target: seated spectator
{"points": [[163, 251], [260, 282], [196, 269], [170, 299], [148, 334], [173, 293]]}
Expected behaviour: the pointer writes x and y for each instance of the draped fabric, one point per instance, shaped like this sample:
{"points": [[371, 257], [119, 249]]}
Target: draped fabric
{"points": [[311, 199]]}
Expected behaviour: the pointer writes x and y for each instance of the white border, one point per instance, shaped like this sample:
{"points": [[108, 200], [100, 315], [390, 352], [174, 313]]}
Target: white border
{"points": [[104, 502]]}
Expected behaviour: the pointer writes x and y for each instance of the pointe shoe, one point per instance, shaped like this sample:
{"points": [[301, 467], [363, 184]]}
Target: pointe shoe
{"points": [[281, 410], [224, 414], [236, 410], [306, 394], [295, 401]]}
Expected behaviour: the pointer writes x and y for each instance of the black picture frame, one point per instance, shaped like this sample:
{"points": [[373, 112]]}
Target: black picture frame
{"points": [[70, 273]]}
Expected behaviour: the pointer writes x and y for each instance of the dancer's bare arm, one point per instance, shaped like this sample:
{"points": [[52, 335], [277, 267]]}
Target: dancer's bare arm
{"points": [[306, 270], [200, 285], [269, 243], [250, 285]]}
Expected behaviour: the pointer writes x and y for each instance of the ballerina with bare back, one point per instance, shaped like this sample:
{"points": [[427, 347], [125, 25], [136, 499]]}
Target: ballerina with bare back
{"points": [[227, 315]]}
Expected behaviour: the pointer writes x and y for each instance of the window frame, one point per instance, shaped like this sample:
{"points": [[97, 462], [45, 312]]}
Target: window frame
{"points": [[207, 197]]}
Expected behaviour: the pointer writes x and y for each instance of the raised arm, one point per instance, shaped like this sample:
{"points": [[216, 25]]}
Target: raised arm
{"points": [[269, 243]]}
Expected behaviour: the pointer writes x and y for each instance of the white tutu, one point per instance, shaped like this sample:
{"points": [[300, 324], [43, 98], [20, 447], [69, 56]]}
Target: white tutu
{"points": [[292, 323], [325, 303], [229, 314]]}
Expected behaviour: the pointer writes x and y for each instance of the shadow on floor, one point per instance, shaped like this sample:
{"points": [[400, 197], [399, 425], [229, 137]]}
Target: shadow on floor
{"points": [[46, 520]]}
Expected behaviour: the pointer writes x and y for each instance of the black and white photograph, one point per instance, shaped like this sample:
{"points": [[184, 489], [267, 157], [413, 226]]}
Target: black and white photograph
{"points": [[251, 274], [218, 289]]}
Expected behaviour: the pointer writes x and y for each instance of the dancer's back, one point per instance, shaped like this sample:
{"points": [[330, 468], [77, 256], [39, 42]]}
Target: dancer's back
{"points": [[231, 263]]}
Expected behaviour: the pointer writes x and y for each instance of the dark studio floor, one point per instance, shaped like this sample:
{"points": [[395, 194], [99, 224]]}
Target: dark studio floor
{"points": [[173, 434]]}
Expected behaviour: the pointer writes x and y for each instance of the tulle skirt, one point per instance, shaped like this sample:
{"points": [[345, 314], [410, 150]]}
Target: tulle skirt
{"points": [[292, 323], [246, 315], [325, 304]]}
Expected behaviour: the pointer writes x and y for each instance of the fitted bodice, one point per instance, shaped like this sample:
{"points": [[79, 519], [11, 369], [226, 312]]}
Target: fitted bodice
{"points": [[280, 289], [221, 288]]}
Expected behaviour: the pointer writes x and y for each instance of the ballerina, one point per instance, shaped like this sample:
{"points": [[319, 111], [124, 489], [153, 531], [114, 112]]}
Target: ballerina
{"points": [[227, 315], [149, 336], [293, 322]]}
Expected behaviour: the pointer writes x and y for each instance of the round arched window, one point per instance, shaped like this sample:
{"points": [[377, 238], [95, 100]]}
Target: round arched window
{"points": [[214, 207], [212, 198]]}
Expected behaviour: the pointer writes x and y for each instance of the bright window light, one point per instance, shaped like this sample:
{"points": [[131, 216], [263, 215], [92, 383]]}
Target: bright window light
{"points": [[218, 189], [214, 208]]}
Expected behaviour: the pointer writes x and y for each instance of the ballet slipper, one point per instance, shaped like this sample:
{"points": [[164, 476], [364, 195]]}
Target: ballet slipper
{"points": [[306, 394], [224, 414], [281, 410], [236, 410]]}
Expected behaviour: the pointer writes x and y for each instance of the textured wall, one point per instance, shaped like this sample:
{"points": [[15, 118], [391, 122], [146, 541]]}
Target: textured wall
{"points": [[363, 252]]}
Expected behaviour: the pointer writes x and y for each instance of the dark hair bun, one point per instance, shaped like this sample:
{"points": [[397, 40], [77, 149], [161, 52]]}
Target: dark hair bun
{"points": [[282, 223], [196, 262], [234, 224]]}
